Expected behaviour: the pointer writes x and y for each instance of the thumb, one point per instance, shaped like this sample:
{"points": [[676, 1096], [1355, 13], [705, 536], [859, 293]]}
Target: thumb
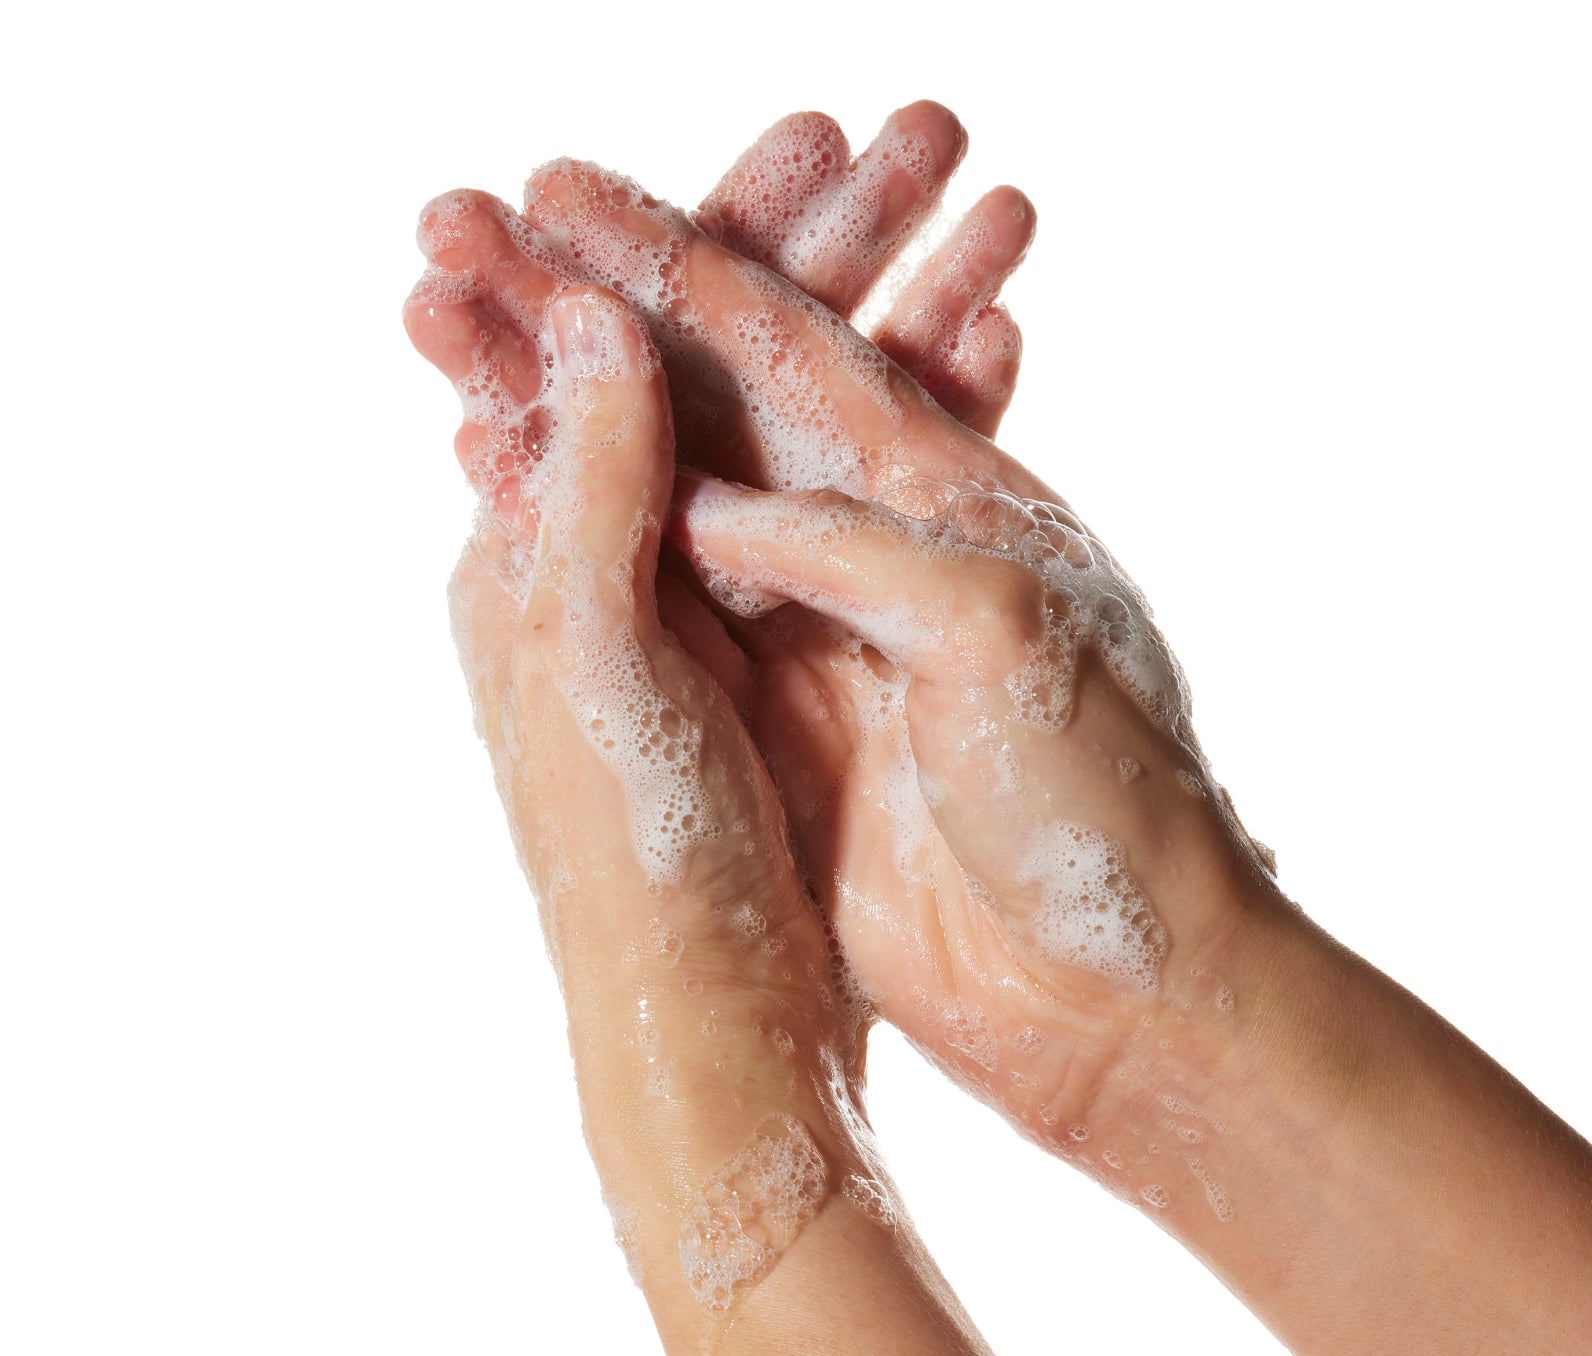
{"points": [[609, 468], [590, 637]]}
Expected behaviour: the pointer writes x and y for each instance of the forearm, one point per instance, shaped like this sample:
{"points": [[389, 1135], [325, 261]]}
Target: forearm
{"points": [[836, 1265], [1360, 1174]]}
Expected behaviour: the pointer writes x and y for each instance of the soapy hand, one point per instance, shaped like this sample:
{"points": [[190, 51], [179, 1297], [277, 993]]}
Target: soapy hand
{"points": [[701, 985], [773, 390], [708, 1038], [1016, 816], [992, 790], [479, 311]]}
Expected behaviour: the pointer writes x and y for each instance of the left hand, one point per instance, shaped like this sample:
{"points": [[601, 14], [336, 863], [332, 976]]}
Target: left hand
{"points": [[695, 971]]}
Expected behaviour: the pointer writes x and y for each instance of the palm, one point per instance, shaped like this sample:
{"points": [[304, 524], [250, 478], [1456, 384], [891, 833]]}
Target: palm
{"points": [[929, 954]]}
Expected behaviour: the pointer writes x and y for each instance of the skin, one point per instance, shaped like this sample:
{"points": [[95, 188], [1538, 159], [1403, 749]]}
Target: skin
{"points": [[655, 1152], [659, 974], [1314, 1134]]}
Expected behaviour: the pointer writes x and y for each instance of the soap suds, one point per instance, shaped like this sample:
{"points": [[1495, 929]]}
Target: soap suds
{"points": [[747, 1214]]}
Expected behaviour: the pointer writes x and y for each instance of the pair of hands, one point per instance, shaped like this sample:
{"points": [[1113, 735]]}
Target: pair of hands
{"points": [[956, 787]]}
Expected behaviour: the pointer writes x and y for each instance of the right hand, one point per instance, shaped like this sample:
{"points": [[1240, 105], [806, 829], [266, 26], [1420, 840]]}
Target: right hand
{"points": [[1032, 872]]}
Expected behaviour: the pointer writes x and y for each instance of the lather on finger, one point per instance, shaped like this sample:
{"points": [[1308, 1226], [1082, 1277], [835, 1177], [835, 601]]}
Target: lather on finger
{"points": [[910, 588], [944, 327], [793, 203]]}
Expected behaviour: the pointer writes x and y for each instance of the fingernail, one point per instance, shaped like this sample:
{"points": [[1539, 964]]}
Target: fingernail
{"points": [[576, 337], [548, 192]]}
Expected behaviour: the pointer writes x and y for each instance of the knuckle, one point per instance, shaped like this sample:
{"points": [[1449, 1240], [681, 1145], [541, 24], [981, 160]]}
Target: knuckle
{"points": [[999, 612], [810, 512], [823, 501]]}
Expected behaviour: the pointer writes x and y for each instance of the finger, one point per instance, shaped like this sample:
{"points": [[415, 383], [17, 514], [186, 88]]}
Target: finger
{"points": [[607, 473], [960, 278], [803, 400], [590, 640], [480, 315], [477, 244], [758, 204], [930, 323], [499, 376], [847, 237], [915, 590], [977, 376]]}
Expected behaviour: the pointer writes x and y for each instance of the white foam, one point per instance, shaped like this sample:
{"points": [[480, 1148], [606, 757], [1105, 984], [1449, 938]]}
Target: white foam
{"points": [[870, 1198], [1215, 1194], [627, 1233], [964, 1027], [1156, 1196], [642, 734], [1092, 913], [747, 1214]]}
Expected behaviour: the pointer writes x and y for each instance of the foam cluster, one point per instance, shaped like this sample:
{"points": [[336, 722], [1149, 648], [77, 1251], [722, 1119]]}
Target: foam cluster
{"points": [[653, 747], [748, 1213], [1092, 913], [870, 1198], [964, 1027], [1093, 603]]}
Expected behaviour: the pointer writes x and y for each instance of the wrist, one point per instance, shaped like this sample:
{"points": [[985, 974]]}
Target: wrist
{"points": [[1329, 1139], [718, 1103]]}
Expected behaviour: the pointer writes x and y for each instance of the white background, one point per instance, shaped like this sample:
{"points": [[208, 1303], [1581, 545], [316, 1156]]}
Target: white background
{"points": [[281, 1059]]}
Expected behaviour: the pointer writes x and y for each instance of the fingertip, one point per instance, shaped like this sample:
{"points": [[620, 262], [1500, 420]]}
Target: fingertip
{"points": [[565, 188], [449, 233], [807, 138], [941, 128], [817, 127], [695, 494], [979, 389], [445, 334], [548, 191], [1011, 215], [755, 205], [597, 336]]}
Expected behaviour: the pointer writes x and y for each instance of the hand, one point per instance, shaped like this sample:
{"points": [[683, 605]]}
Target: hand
{"points": [[508, 267], [1351, 1167], [795, 203], [718, 1070], [740, 920], [772, 390], [1346, 1129], [478, 312], [1016, 846]]}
